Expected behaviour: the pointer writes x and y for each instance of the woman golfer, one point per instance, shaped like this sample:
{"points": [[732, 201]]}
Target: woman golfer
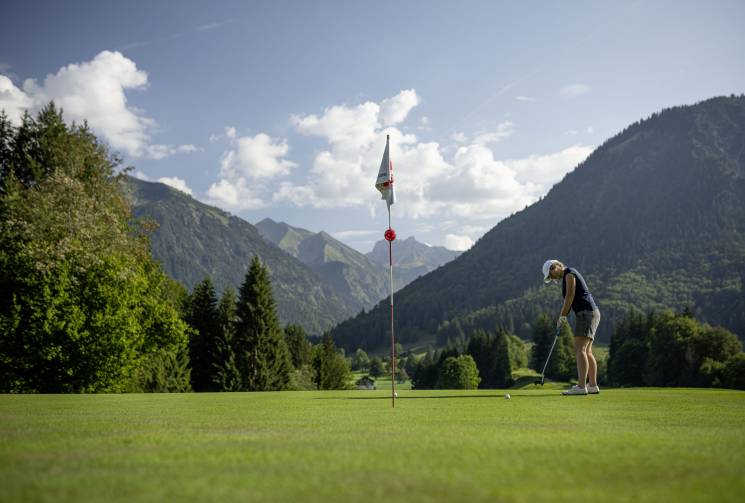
{"points": [[577, 297]]}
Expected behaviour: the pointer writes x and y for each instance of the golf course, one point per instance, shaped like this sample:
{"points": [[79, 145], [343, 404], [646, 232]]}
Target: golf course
{"points": [[643, 444]]}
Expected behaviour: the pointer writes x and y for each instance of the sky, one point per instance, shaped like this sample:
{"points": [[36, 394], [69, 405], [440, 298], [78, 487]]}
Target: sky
{"points": [[280, 109]]}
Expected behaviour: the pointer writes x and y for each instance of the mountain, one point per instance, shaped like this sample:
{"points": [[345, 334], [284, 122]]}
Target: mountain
{"points": [[654, 218], [356, 278], [411, 258], [193, 240]]}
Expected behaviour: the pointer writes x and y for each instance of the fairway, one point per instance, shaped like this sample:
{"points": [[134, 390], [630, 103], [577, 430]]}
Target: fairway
{"points": [[624, 445]]}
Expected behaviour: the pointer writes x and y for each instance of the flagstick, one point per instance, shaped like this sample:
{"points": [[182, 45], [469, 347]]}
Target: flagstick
{"points": [[393, 338]]}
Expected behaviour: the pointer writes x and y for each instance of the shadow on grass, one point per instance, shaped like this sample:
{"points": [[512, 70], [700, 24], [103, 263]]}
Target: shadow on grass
{"points": [[532, 395]]}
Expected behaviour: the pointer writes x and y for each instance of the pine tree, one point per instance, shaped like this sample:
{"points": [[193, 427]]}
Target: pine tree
{"points": [[502, 364], [562, 362], [226, 376], [297, 343], [6, 147], [261, 352], [204, 319], [330, 368]]}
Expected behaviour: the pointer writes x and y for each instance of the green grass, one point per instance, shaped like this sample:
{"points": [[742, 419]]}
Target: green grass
{"points": [[624, 445]]}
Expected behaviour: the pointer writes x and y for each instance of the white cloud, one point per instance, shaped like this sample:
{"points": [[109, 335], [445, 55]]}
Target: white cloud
{"points": [[525, 98], [246, 169], [344, 127], [473, 184], [230, 132], [343, 175], [459, 137], [162, 151], [95, 91], [574, 90], [544, 171], [13, 100], [176, 183], [236, 194], [256, 157], [503, 131], [457, 242], [141, 175], [394, 110]]}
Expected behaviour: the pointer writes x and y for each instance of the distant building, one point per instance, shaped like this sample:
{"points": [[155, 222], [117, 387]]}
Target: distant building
{"points": [[366, 383]]}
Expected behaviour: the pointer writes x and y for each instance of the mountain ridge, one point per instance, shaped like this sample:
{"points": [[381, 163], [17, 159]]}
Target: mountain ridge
{"points": [[653, 218], [194, 240]]}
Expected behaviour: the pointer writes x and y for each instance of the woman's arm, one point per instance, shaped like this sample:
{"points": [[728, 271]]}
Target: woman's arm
{"points": [[571, 284]]}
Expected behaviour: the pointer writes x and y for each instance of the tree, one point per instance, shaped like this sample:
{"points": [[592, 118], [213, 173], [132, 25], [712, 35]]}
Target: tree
{"points": [[163, 371], [481, 347], [503, 365], [401, 375], [203, 317], [518, 352], [459, 373], [734, 372], [562, 363], [6, 146], [261, 352], [706, 354], [331, 370], [360, 360], [491, 352], [629, 348], [666, 363], [298, 345], [410, 364], [226, 376], [376, 367], [83, 305]]}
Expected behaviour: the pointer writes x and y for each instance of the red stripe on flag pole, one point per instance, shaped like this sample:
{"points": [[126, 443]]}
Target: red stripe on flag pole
{"points": [[393, 338]]}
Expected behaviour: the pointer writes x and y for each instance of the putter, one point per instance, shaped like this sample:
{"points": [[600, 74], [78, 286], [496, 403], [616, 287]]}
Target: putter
{"points": [[543, 372]]}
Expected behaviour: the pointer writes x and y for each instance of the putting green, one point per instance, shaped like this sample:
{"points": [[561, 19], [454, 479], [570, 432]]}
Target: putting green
{"points": [[623, 445]]}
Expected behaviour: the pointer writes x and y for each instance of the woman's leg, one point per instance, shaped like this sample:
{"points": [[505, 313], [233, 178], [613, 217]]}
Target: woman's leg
{"points": [[580, 352], [592, 366]]}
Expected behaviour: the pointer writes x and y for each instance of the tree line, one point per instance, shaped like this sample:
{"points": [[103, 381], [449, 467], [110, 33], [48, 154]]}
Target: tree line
{"points": [[652, 349], [238, 344], [674, 349], [487, 359]]}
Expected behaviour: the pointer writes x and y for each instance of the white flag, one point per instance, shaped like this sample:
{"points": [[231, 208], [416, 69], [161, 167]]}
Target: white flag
{"points": [[384, 183]]}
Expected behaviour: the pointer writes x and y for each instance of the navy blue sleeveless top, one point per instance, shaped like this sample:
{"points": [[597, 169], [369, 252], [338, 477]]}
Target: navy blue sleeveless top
{"points": [[583, 300]]}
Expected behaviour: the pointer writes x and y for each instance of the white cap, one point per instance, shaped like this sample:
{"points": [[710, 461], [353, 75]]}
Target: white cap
{"points": [[546, 267]]}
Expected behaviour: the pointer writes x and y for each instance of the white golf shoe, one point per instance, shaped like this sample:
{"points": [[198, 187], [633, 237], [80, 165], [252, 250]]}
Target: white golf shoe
{"points": [[593, 390], [575, 390]]}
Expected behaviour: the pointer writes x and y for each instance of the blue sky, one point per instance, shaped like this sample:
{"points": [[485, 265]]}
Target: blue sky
{"points": [[280, 109]]}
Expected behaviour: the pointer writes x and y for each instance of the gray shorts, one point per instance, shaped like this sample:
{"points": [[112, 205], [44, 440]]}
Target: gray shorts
{"points": [[587, 323]]}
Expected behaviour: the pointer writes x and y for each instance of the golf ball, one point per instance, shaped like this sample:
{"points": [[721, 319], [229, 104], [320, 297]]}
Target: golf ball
{"points": [[507, 396]]}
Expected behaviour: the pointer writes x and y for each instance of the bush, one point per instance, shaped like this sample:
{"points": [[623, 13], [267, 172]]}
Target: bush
{"points": [[734, 372], [459, 373]]}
